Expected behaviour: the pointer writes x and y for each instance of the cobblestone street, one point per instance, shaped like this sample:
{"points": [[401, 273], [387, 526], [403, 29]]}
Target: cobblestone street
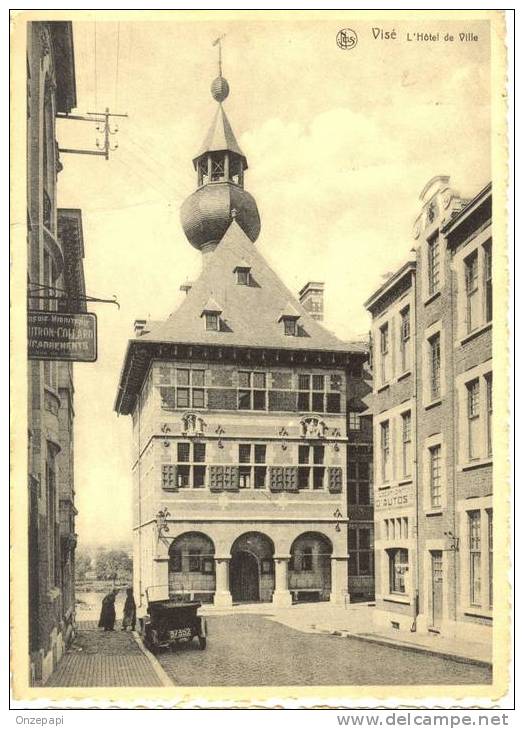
{"points": [[250, 650], [99, 659]]}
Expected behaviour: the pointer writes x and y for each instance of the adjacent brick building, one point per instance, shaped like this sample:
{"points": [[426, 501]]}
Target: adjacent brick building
{"points": [[55, 272], [432, 423], [239, 404]]}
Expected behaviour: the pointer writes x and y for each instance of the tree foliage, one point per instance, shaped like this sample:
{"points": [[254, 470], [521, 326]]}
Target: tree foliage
{"points": [[113, 564]]}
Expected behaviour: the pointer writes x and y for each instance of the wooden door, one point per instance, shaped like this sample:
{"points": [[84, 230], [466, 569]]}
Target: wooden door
{"points": [[244, 577]]}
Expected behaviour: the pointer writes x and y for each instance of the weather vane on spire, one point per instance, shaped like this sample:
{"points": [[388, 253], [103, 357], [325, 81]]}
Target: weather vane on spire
{"points": [[218, 42], [219, 87]]}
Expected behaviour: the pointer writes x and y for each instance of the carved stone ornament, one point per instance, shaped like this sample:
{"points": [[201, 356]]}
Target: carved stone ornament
{"points": [[45, 41], [312, 427], [416, 228], [432, 212], [193, 425], [446, 198]]}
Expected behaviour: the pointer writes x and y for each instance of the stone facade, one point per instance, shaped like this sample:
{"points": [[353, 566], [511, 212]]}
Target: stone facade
{"points": [[432, 423]]}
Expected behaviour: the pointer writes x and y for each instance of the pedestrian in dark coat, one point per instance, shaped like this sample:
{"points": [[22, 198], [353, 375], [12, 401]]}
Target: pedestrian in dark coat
{"points": [[129, 619], [108, 614]]}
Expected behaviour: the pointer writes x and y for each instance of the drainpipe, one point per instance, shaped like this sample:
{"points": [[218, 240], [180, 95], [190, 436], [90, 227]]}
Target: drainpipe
{"points": [[416, 581]]}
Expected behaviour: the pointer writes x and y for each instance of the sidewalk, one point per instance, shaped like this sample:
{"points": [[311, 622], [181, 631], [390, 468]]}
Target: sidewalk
{"points": [[356, 621], [97, 658]]}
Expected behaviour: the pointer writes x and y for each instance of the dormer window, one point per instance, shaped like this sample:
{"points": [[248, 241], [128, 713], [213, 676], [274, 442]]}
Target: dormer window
{"points": [[243, 272], [212, 322], [290, 318], [290, 327], [211, 313]]}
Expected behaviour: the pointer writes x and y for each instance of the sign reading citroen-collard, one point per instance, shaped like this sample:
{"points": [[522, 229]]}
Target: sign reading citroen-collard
{"points": [[61, 336]]}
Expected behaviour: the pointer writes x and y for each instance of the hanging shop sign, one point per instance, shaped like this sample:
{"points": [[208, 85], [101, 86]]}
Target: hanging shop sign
{"points": [[60, 336]]}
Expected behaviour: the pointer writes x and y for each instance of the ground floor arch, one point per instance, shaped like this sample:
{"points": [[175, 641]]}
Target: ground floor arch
{"points": [[192, 567], [251, 568], [309, 574]]}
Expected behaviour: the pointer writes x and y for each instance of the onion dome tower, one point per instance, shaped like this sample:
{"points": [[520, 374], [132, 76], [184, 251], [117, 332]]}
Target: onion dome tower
{"points": [[220, 196]]}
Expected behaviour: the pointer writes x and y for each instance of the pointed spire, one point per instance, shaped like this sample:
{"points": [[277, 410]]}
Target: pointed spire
{"points": [[220, 138]]}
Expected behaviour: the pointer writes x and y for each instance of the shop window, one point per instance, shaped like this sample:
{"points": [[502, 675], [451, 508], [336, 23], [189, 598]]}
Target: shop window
{"points": [[398, 569]]}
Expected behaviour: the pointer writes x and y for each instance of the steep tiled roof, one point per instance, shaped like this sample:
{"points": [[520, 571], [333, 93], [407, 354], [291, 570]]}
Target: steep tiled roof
{"points": [[250, 314]]}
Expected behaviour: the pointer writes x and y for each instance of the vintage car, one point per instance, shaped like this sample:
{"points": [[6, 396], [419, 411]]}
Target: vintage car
{"points": [[169, 622]]}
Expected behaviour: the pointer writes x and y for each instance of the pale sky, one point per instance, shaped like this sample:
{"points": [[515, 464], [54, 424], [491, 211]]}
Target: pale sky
{"points": [[339, 145]]}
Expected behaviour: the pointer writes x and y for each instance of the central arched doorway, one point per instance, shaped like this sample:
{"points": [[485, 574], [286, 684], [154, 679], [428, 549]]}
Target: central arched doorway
{"points": [[251, 569], [244, 582]]}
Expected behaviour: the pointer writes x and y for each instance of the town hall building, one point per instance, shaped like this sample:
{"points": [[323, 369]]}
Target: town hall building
{"points": [[240, 404]]}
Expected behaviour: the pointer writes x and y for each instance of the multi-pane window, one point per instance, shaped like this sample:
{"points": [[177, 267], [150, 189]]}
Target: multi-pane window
{"points": [[489, 412], [252, 391], [190, 391], [212, 321], [354, 421], [435, 476], [433, 265], [252, 465], [475, 581], [242, 276], [290, 326], [488, 291], [191, 469], [471, 270], [384, 353], [311, 469], [490, 557], [405, 336], [360, 551], [398, 568], [473, 389], [313, 396], [434, 366], [406, 443], [385, 451], [359, 491]]}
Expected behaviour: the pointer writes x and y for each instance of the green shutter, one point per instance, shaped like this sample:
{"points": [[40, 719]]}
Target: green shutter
{"points": [[291, 479], [276, 478], [231, 478], [169, 477]]}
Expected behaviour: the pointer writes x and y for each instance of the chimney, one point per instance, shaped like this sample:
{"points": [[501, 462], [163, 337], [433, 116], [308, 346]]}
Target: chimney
{"points": [[311, 296], [186, 287], [140, 327]]}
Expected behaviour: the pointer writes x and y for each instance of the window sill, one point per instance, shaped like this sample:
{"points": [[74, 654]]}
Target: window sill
{"points": [[472, 465], [382, 388], [476, 333], [478, 612], [434, 512], [405, 481], [404, 375], [433, 403], [400, 599], [431, 298], [384, 486]]}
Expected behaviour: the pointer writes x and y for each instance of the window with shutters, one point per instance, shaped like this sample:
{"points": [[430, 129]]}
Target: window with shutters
{"points": [[191, 469], [311, 468], [252, 465]]}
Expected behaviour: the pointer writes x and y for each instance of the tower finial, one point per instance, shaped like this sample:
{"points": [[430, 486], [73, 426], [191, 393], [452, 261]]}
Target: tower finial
{"points": [[218, 42], [219, 87]]}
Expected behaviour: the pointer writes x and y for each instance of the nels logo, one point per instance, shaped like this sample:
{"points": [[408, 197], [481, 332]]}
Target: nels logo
{"points": [[346, 39]]}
